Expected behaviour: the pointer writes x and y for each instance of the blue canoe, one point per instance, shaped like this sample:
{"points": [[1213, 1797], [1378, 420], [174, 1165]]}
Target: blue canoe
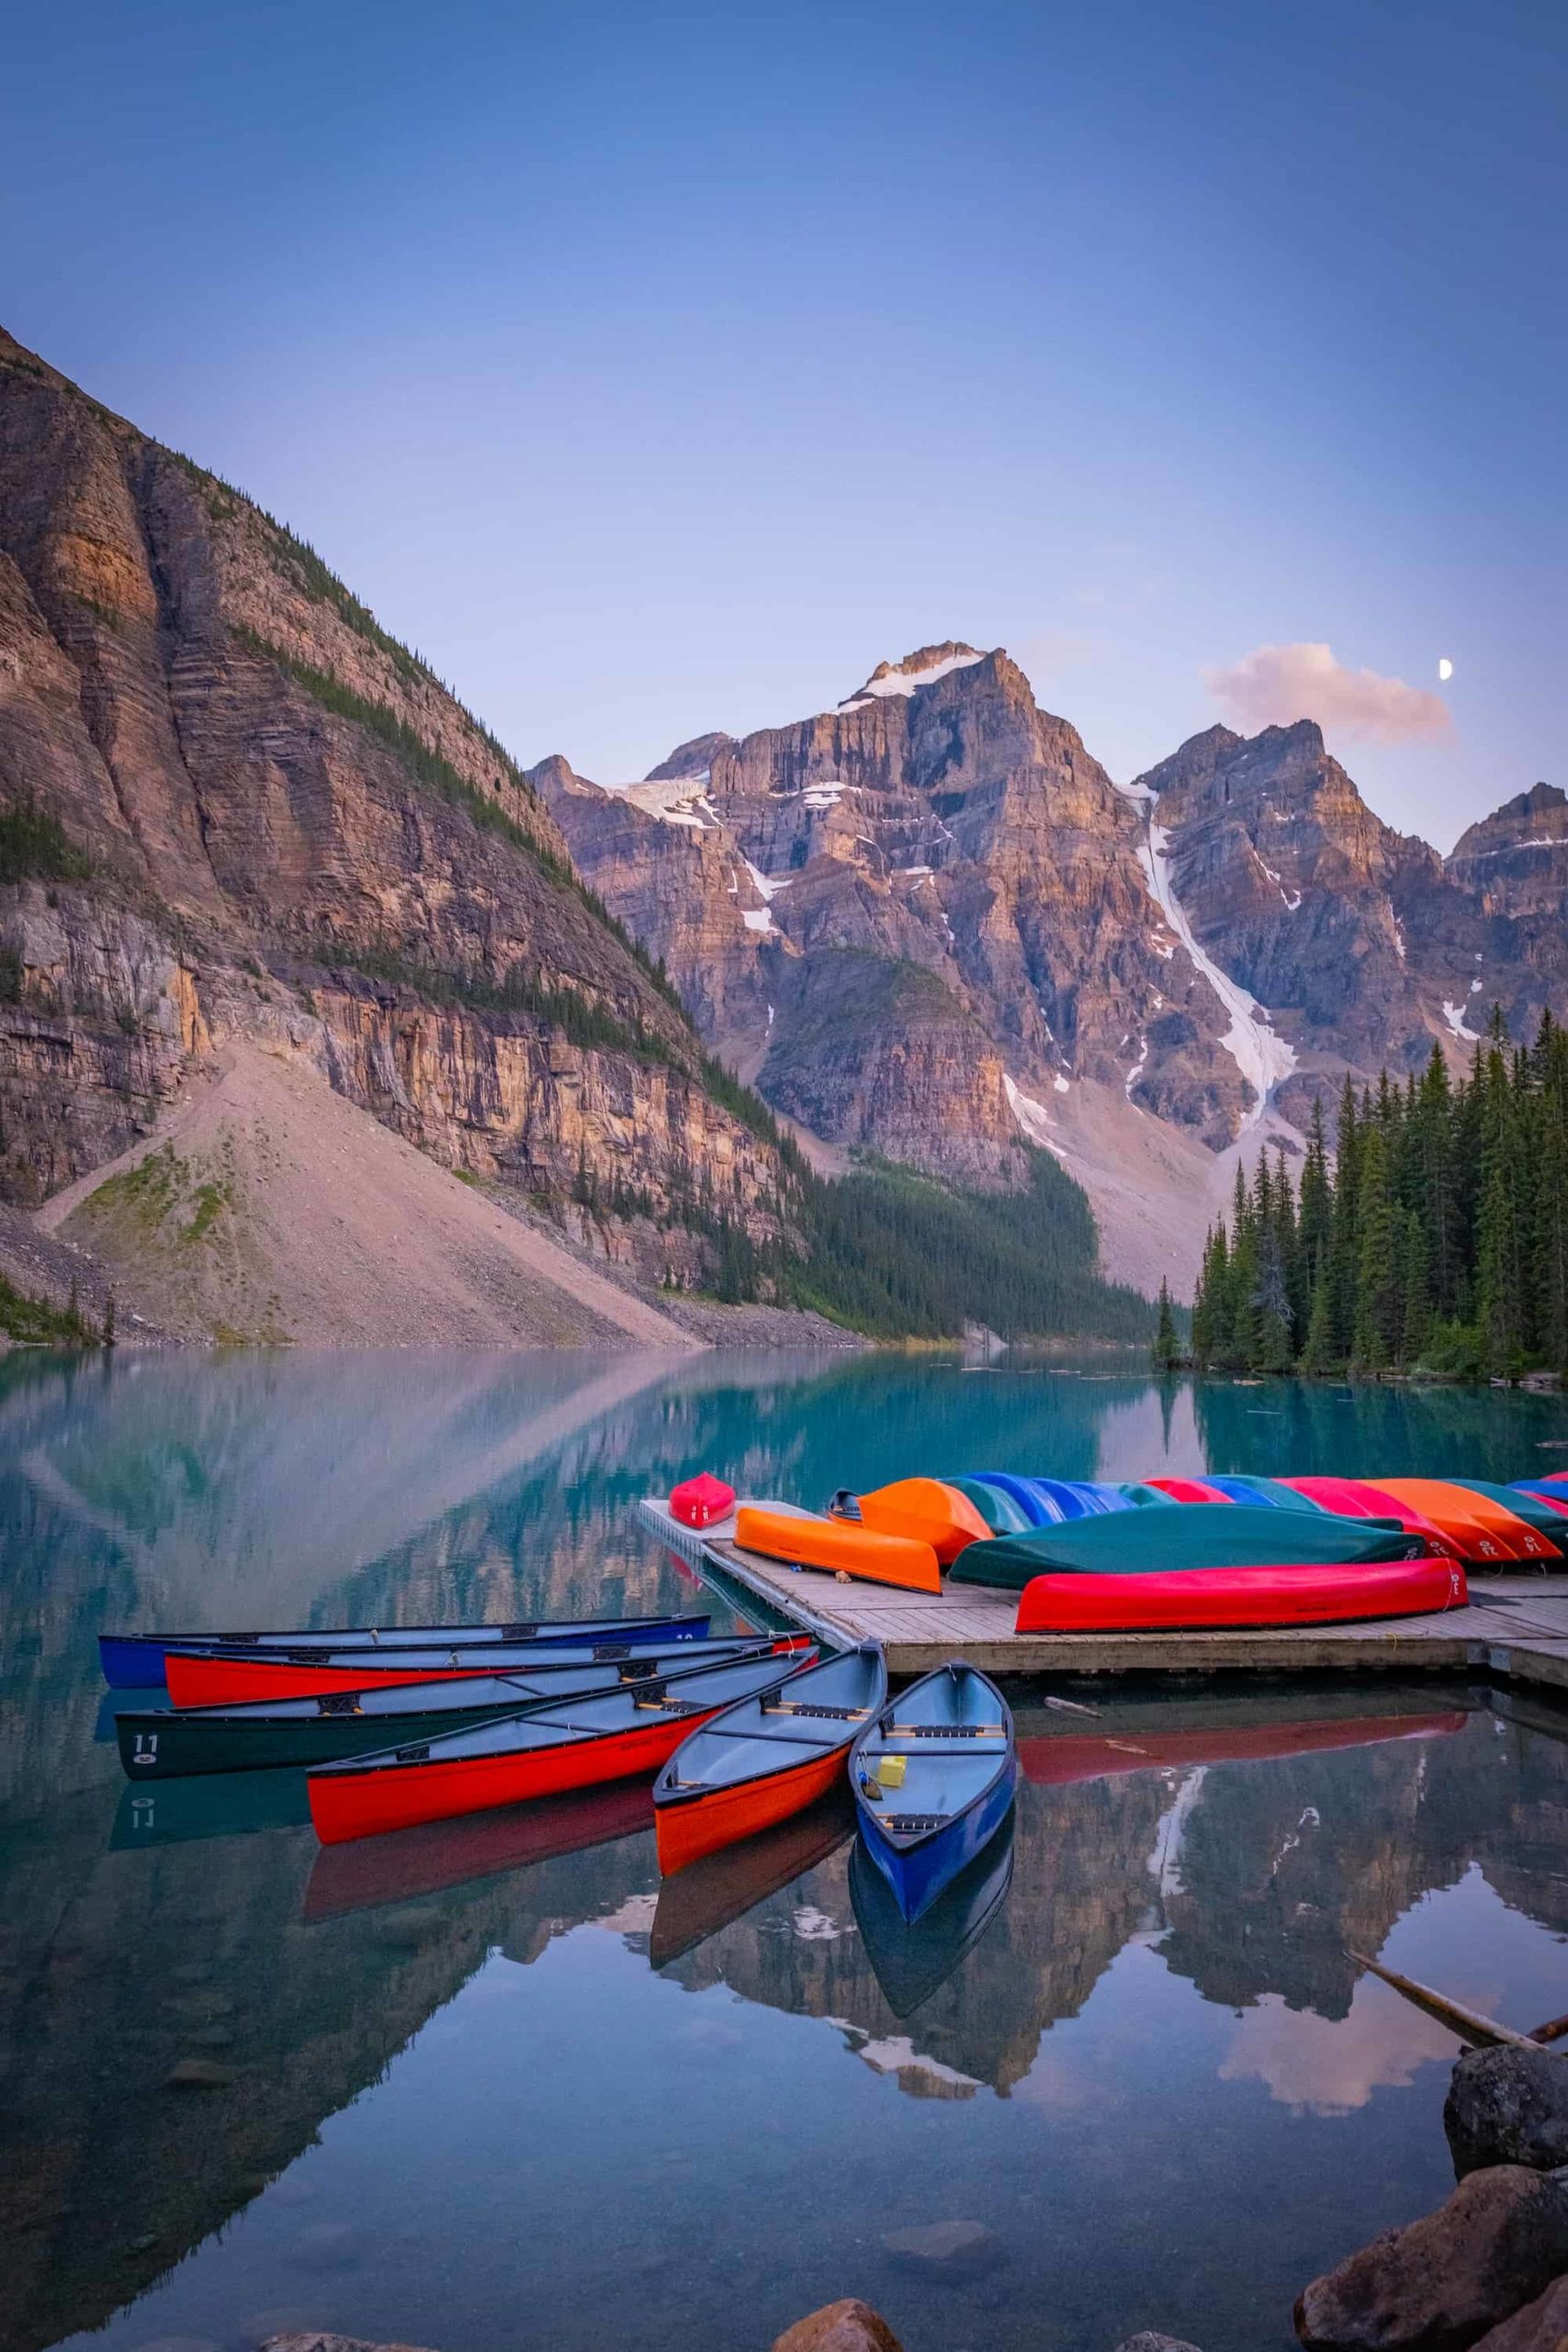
{"points": [[135, 1661], [933, 1776]]}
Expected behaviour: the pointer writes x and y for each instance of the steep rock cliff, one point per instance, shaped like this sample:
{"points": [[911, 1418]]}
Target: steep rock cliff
{"points": [[231, 806]]}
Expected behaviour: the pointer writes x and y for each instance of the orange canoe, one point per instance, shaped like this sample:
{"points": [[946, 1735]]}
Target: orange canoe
{"points": [[1485, 1531], [1354, 1499], [926, 1509], [838, 1544]]}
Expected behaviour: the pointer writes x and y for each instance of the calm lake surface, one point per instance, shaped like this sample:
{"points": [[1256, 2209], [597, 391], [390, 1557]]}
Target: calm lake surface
{"points": [[493, 2090]]}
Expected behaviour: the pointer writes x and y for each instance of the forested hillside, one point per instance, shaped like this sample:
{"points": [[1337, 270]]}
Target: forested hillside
{"points": [[1436, 1239]]}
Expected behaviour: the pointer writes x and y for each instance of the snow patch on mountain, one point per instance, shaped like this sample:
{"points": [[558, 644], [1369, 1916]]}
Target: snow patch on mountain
{"points": [[898, 678], [1264, 1059]]}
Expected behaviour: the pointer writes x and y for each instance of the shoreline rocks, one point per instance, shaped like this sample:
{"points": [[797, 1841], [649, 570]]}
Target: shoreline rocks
{"points": [[1508, 2106]]}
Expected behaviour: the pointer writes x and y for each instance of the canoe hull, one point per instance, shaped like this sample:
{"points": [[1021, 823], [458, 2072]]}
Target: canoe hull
{"points": [[919, 1875], [366, 1803], [135, 1661], [838, 1544], [196, 1680], [1485, 1532], [1216, 1597], [692, 1827]]}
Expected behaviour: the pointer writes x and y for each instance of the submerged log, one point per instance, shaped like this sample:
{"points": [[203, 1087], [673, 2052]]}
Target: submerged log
{"points": [[1468, 2023]]}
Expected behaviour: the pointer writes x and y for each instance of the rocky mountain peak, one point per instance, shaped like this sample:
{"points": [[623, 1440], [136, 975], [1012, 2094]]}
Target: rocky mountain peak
{"points": [[693, 759], [1534, 819], [921, 668]]}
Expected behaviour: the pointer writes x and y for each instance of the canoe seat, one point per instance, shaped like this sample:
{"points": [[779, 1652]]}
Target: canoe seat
{"points": [[520, 1632], [418, 1753], [912, 1825], [340, 1703], [603, 1650], [945, 1731], [661, 1706], [831, 1715]]}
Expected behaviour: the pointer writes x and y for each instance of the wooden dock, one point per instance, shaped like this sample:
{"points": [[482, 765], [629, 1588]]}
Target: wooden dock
{"points": [[1515, 1627]]}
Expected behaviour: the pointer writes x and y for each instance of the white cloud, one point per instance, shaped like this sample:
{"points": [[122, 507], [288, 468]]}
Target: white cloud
{"points": [[1276, 685]]}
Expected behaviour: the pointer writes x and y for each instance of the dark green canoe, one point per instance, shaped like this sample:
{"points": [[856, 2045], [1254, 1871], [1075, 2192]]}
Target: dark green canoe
{"points": [[1192, 1536]]}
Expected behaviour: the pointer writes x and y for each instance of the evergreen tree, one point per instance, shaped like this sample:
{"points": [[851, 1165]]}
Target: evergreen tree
{"points": [[1166, 1353]]}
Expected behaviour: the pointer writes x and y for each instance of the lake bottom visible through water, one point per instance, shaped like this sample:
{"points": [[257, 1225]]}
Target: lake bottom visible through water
{"points": [[497, 2087]]}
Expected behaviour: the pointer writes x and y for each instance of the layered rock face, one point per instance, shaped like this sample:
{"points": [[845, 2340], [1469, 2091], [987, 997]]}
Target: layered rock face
{"points": [[929, 925], [230, 805], [888, 911]]}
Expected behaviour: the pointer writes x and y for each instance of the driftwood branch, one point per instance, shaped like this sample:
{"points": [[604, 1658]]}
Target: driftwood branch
{"points": [[1468, 2024]]}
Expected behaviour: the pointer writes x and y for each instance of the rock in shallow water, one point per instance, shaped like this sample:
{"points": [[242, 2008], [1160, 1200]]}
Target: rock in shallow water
{"points": [[1149, 2340], [316, 2340], [199, 2074], [1440, 2283], [847, 2326], [1507, 2106], [1542, 2326], [951, 2250]]}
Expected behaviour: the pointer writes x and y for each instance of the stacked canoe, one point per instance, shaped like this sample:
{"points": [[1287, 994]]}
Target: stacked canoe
{"points": [[1173, 1551]]}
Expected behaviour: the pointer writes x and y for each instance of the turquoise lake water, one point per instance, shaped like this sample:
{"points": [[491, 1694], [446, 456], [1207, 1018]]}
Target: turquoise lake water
{"points": [[494, 2090]]}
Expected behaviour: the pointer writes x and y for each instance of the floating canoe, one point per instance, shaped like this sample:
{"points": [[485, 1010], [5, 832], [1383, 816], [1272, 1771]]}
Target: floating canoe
{"points": [[1061, 1762], [696, 1903], [545, 1752], [1484, 1532], [135, 1661], [912, 1960], [1354, 1499], [934, 1777], [929, 1510], [1549, 1518], [839, 1546], [230, 1678], [767, 1757], [1213, 1597], [444, 1854], [161, 1743], [1182, 1538]]}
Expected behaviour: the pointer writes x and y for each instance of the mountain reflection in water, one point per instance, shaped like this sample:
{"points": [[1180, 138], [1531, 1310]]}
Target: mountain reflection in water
{"points": [[465, 2049]]}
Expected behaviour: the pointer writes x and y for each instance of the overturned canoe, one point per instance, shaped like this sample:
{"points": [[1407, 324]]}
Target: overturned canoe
{"points": [[1213, 1598], [934, 1777], [1354, 1499], [1549, 1518], [545, 1752], [135, 1661], [1485, 1532], [839, 1545], [928, 1510], [161, 1743], [769, 1756], [230, 1678], [1182, 1538]]}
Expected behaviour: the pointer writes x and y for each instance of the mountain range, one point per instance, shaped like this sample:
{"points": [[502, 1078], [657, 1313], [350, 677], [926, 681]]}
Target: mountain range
{"points": [[929, 925], [289, 945]]}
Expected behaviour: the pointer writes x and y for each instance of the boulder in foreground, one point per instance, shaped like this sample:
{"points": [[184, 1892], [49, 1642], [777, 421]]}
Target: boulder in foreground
{"points": [[847, 2326], [1542, 2326], [1440, 2283], [1508, 2106]]}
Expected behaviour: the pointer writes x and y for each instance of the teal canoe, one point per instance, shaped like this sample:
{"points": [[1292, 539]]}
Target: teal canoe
{"points": [[1192, 1536]]}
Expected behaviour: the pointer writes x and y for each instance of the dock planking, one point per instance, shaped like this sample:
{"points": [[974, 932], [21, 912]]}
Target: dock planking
{"points": [[1515, 1627]]}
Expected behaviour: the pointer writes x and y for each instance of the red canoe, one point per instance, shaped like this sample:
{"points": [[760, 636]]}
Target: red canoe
{"points": [[1241, 1596], [575, 1744], [1354, 1499], [222, 1678], [1189, 1490]]}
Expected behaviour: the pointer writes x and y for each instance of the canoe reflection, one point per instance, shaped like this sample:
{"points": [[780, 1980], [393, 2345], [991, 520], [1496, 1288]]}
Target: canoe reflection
{"points": [[442, 1854], [712, 1894], [209, 1805], [912, 1962], [1054, 1761]]}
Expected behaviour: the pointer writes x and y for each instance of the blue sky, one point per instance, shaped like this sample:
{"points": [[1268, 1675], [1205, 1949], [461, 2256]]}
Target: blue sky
{"points": [[654, 369]]}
